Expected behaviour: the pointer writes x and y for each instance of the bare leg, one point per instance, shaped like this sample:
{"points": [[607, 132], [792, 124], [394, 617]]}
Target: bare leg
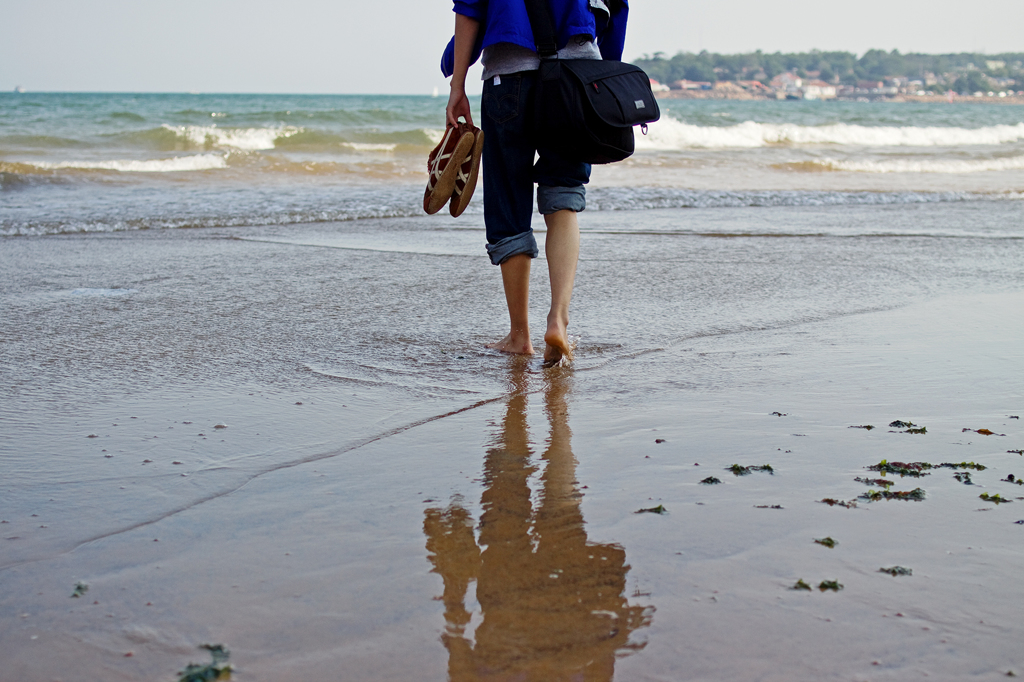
{"points": [[562, 248], [515, 275]]}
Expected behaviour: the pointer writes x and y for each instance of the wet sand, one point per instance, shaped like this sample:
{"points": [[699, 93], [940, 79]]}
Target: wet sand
{"points": [[433, 510]]}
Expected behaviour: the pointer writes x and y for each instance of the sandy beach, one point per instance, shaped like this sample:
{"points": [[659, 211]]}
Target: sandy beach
{"points": [[290, 440]]}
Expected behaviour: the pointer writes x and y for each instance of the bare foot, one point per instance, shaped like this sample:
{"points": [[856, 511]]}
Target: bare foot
{"points": [[513, 343], [558, 348]]}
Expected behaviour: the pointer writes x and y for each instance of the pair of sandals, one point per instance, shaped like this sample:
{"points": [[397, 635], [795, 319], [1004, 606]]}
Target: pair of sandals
{"points": [[454, 165]]}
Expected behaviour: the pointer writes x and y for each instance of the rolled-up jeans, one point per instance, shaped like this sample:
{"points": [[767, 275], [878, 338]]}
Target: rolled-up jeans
{"points": [[510, 171]]}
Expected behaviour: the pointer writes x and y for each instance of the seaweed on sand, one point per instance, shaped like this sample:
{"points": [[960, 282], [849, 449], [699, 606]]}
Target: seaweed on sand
{"points": [[217, 669], [660, 509], [1010, 478], [1015, 452], [738, 470], [833, 585], [885, 483], [997, 498], [915, 469], [961, 465], [866, 427], [801, 585], [910, 427], [80, 589], [833, 502], [964, 477], [826, 541], [710, 480], [984, 432], [896, 570], [917, 494]]}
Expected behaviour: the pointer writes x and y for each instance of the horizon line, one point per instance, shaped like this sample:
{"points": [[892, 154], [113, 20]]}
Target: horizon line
{"points": [[13, 91]]}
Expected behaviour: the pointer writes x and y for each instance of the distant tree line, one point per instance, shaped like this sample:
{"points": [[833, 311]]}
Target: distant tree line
{"points": [[963, 72]]}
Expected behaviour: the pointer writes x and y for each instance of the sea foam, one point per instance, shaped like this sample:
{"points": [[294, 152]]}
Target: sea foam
{"points": [[244, 139], [671, 134], [176, 164], [923, 166], [371, 146]]}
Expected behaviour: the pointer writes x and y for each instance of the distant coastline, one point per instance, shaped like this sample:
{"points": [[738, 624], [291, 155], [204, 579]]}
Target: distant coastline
{"points": [[729, 94], [875, 76]]}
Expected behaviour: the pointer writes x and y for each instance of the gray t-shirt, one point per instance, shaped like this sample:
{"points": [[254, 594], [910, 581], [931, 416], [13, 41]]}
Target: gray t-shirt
{"points": [[504, 58]]}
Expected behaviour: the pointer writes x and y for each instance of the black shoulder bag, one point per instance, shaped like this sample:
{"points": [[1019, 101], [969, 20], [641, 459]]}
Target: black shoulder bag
{"points": [[585, 109]]}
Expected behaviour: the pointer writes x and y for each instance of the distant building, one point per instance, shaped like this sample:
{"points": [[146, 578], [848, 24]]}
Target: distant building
{"points": [[691, 85], [658, 87], [818, 89], [788, 81]]}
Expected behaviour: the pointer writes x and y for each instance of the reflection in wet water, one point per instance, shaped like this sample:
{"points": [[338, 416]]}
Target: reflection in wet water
{"points": [[551, 604]]}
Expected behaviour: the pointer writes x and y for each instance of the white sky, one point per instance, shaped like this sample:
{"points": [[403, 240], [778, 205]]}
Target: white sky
{"points": [[393, 46]]}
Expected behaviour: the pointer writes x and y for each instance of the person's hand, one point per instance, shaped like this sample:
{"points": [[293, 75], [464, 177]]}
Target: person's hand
{"points": [[458, 105]]}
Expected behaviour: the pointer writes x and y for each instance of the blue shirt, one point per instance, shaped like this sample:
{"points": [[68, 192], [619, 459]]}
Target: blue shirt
{"points": [[506, 21]]}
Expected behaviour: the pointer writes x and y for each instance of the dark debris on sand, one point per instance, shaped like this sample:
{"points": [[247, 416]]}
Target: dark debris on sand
{"points": [[883, 482], [217, 669], [915, 469], [909, 427], [896, 570], [916, 495], [918, 469], [738, 470], [833, 502]]}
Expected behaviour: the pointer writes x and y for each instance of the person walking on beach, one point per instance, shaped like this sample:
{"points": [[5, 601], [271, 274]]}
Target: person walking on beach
{"points": [[498, 32]]}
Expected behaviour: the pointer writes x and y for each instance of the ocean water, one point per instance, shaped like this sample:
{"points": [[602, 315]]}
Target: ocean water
{"points": [[107, 162]]}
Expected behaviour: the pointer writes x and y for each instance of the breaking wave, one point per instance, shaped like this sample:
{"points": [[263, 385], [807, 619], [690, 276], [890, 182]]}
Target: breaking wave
{"points": [[912, 165], [245, 139], [177, 164], [670, 134], [370, 146]]}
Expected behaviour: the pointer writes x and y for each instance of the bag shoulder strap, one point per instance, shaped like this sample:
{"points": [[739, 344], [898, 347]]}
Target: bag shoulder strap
{"points": [[542, 22]]}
